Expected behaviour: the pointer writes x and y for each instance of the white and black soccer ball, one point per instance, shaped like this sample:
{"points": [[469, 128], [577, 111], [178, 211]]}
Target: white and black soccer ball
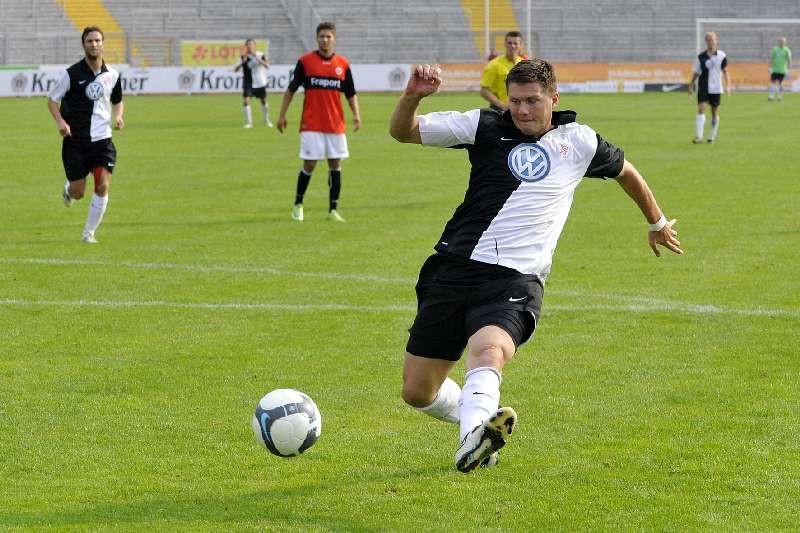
{"points": [[287, 422]]}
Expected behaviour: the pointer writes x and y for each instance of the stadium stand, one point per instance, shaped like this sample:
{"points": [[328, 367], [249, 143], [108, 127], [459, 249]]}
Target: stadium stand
{"points": [[387, 31], [36, 32], [375, 31]]}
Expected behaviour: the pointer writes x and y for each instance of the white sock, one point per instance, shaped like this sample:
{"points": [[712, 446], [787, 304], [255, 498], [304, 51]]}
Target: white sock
{"points": [[265, 110], [66, 188], [480, 398], [248, 115], [780, 92], [771, 91], [714, 127], [699, 124], [96, 211], [445, 406]]}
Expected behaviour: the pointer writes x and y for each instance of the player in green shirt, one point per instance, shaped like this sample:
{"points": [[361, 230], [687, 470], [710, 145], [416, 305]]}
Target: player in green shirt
{"points": [[780, 63]]}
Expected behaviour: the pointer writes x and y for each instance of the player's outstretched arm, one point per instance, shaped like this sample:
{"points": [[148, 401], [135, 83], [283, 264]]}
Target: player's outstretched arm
{"points": [[661, 232], [691, 83], [424, 81], [287, 99], [118, 109], [61, 124], [353, 103]]}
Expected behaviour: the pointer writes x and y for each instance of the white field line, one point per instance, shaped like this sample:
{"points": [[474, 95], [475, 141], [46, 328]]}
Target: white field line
{"points": [[632, 304], [209, 269], [244, 306]]}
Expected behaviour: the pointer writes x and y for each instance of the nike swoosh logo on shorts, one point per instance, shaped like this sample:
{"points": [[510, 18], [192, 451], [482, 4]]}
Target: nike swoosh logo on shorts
{"points": [[507, 139], [518, 299]]}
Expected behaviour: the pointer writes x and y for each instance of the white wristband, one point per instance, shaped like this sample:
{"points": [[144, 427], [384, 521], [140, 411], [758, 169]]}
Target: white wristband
{"points": [[660, 224]]}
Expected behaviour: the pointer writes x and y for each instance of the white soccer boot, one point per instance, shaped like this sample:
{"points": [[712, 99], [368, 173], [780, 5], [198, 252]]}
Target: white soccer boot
{"points": [[297, 212], [481, 444], [490, 461], [68, 200], [334, 215], [88, 237]]}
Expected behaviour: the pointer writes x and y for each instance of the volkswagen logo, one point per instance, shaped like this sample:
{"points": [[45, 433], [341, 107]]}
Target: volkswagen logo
{"points": [[529, 162], [94, 91]]}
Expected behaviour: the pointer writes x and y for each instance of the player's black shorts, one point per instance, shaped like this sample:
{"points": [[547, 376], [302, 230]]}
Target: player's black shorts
{"points": [[258, 92], [776, 76], [80, 156], [456, 297], [712, 99]]}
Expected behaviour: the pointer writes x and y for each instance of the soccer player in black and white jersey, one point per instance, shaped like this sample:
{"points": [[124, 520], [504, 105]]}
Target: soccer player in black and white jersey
{"points": [[482, 289], [254, 66], [709, 71], [90, 97]]}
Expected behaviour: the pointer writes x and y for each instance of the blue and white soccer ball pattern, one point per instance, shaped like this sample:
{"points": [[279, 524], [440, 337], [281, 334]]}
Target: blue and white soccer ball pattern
{"points": [[287, 422]]}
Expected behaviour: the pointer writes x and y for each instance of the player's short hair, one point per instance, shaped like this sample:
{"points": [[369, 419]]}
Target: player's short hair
{"points": [[89, 29], [513, 33], [330, 26], [534, 71], [250, 40]]}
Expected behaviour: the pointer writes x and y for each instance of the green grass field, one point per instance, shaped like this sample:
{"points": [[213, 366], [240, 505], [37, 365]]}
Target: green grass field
{"points": [[658, 394]]}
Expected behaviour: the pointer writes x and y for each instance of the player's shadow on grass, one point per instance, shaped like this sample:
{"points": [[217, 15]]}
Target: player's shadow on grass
{"points": [[273, 508]]}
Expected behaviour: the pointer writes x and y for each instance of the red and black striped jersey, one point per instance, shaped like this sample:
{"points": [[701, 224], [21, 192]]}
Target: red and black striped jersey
{"points": [[323, 79]]}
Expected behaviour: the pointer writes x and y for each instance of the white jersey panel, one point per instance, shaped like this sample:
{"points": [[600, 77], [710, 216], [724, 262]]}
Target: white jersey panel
{"points": [[259, 71], [713, 64], [448, 128], [541, 204], [60, 88], [100, 91]]}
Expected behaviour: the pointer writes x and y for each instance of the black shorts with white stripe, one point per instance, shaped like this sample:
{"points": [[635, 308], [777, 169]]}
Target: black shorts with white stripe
{"points": [[80, 156], [712, 99], [457, 297]]}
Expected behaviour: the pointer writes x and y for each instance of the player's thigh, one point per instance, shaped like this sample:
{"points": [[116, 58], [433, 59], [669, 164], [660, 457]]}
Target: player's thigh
{"points": [[491, 346], [76, 157], [336, 146], [312, 145], [502, 317], [422, 378], [438, 329]]}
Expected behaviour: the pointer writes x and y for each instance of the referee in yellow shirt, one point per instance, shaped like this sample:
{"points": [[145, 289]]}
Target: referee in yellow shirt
{"points": [[493, 80]]}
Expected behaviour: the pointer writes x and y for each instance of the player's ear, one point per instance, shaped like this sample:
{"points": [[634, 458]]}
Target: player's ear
{"points": [[555, 99]]}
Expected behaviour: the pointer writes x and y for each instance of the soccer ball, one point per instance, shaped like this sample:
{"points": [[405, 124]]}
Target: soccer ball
{"points": [[287, 422]]}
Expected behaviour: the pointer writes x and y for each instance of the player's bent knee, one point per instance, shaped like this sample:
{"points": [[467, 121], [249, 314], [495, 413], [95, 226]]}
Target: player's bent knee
{"points": [[416, 396]]}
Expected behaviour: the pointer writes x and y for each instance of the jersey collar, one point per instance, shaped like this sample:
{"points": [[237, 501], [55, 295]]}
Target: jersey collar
{"points": [[323, 57], [559, 118], [87, 68]]}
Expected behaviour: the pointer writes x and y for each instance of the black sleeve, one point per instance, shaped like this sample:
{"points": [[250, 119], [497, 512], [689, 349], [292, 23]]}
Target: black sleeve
{"points": [[116, 92], [298, 77], [607, 161], [724, 63], [349, 86]]}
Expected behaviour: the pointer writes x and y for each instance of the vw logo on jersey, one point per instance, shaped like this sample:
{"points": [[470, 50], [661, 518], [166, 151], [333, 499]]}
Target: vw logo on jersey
{"points": [[94, 91], [529, 162]]}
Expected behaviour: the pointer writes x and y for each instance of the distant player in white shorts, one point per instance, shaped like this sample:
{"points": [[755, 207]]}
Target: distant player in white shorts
{"points": [[324, 76], [254, 65]]}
